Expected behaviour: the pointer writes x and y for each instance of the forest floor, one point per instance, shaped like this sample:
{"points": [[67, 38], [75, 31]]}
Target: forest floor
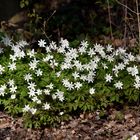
{"points": [[114, 125]]}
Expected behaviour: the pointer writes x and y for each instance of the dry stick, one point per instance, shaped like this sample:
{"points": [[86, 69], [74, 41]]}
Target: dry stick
{"points": [[126, 7], [125, 20], [138, 19], [109, 16]]}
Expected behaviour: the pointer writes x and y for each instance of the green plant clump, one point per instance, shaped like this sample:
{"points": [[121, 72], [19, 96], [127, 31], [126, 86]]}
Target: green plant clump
{"points": [[47, 84]]}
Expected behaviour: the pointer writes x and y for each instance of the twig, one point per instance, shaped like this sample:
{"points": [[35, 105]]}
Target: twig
{"points": [[126, 7], [125, 20], [109, 16], [138, 19]]}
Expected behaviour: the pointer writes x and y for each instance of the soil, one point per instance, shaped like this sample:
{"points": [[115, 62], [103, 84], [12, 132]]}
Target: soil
{"points": [[113, 125]]}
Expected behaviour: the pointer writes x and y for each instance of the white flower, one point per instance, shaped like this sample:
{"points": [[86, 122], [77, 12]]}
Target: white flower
{"points": [[50, 86], [47, 58], [75, 75], [12, 66], [31, 93], [66, 66], [134, 137], [31, 53], [58, 74], [131, 57], [13, 96], [120, 51], [110, 58], [137, 78], [70, 86], [83, 77], [98, 48], [65, 82], [108, 78], [93, 65], [82, 50], [97, 59], [38, 101], [1, 50], [11, 82], [3, 86], [90, 78], [47, 91], [84, 44], [121, 66], [38, 91], [133, 70], [78, 65], [33, 110], [104, 66], [91, 91], [60, 95], [53, 63], [7, 41], [33, 65], [28, 77], [78, 85], [39, 72], [13, 57], [21, 54], [126, 61], [22, 43], [52, 45], [61, 50], [118, 85], [54, 96], [116, 69], [2, 89], [109, 48], [1, 69], [61, 113], [102, 53], [46, 106], [31, 86], [35, 99], [48, 49], [13, 89], [26, 108], [138, 58], [41, 43], [64, 43], [137, 85], [91, 52]]}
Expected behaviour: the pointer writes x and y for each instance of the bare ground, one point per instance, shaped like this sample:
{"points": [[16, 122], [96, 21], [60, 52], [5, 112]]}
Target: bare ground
{"points": [[114, 125]]}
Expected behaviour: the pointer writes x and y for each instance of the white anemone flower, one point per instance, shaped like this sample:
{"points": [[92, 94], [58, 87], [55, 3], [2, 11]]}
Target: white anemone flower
{"points": [[41, 43], [12, 66], [31, 53], [92, 91], [134, 137], [84, 44], [78, 85], [33, 110], [13, 89], [13, 96], [108, 78], [26, 108], [1, 69], [118, 85], [46, 106], [28, 77]]}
